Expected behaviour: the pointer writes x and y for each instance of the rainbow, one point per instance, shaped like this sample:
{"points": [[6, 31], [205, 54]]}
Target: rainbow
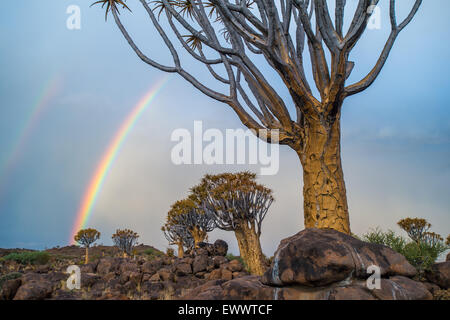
{"points": [[49, 91], [98, 178]]}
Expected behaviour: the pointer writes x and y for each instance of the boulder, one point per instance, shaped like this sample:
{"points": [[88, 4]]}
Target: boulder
{"points": [[218, 261], [183, 269], [220, 248], [9, 289], [200, 263], [234, 266], [439, 274], [251, 288], [34, 290], [89, 279], [318, 257], [226, 274], [129, 266], [152, 267], [448, 257], [107, 265], [88, 268]]}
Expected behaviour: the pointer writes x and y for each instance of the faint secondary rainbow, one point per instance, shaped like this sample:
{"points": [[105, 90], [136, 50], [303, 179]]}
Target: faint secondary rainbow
{"points": [[98, 178], [49, 91]]}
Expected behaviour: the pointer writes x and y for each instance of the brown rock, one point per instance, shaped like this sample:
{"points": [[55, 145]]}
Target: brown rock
{"points": [[166, 275], [34, 290], [439, 274], [155, 278], [351, 293], [234, 266], [88, 268], [200, 263], [107, 265], [318, 257], [218, 261], [215, 274], [220, 248], [152, 267], [129, 266], [9, 289], [183, 269], [433, 288], [226, 275], [89, 279]]}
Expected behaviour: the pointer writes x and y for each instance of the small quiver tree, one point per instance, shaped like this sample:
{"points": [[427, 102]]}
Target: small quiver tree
{"points": [[86, 237], [178, 235], [239, 204], [125, 240], [189, 214]]}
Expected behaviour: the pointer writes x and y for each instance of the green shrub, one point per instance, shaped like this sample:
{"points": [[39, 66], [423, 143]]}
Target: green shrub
{"points": [[153, 253], [9, 276], [170, 252], [28, 258], [421, 254]]}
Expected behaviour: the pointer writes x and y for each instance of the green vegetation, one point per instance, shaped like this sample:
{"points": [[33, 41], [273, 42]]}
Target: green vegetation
{"points": [[9, 276], [153, 253], [423, 248], [28, 258], [170, 252]]}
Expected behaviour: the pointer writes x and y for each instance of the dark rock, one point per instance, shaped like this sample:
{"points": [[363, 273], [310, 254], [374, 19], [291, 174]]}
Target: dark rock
{"points": [[215, 275], [107, 265], [88, 268], [129, 266], [200, 263], [183, 269], [155, 278], [226, 274], [9, 289], [439, 274], [89, 279], [448, 257], [218, 261], [208, 247], [166, 275], [34, 290], [152, 267], [318, 257], [351, 293], [433, 288], [220, 248], [234, 266]]}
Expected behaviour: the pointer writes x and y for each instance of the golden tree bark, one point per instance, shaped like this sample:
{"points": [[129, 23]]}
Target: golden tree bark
{"points": [[180, 251], [324, 192], [86, 259], [250, 249]]}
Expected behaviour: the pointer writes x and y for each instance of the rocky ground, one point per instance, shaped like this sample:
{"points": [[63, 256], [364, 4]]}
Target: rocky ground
{"points": [[313, 264]]}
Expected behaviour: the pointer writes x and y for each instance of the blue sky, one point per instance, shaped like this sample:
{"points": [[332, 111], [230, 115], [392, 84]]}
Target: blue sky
{"points": [[395, 135]]}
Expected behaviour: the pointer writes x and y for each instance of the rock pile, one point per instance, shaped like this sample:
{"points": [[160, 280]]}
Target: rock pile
{"points": [[121, 278], [325, 265]]}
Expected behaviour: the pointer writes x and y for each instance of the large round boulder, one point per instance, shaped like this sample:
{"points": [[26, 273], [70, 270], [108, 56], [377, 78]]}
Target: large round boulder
{"points": [[318, 257], [439, 274]]}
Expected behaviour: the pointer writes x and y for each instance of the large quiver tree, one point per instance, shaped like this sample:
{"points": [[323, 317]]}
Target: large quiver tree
{"points": [[228, 36]]}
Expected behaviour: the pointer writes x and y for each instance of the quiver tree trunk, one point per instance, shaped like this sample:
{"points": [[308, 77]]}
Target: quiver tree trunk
{"points": [[324, 193], [86, 259], [198, 235], [250, 249], [180, 250]]}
